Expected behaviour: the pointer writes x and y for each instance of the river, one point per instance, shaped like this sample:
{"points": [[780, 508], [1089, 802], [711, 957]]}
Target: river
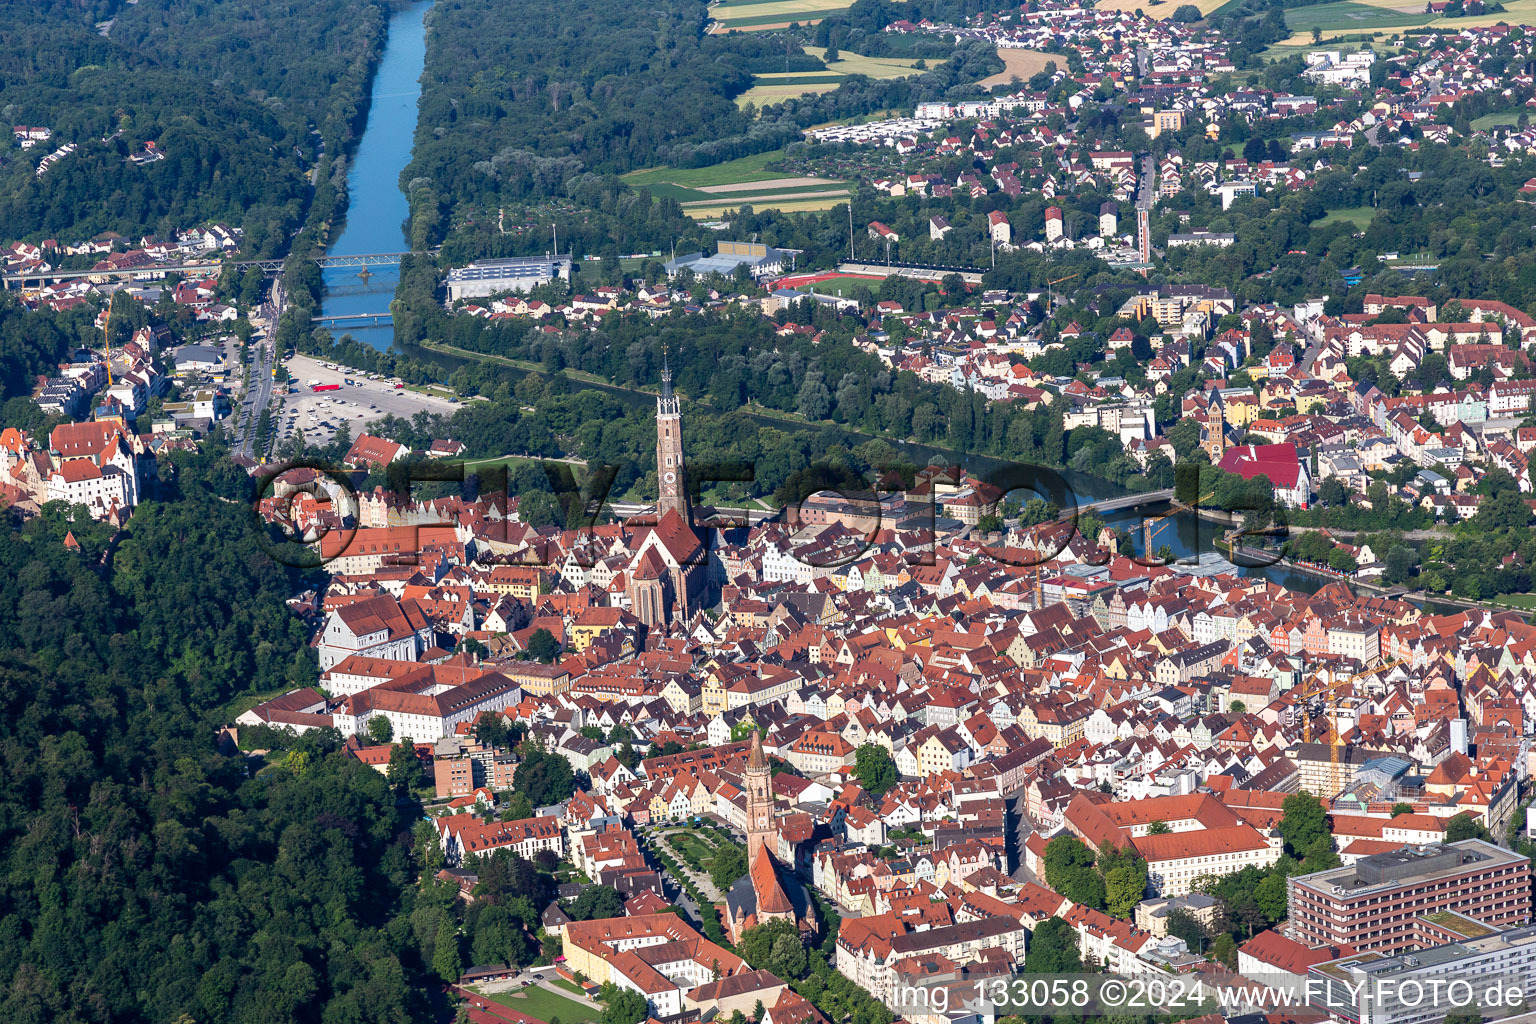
{"points": [[376, 206], [377, 211]]}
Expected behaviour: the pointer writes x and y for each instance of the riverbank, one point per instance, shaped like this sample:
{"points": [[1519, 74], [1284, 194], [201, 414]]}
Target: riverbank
{"points": [[374, 210]]}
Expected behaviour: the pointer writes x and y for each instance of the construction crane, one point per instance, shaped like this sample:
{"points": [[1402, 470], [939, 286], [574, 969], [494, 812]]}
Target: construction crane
{"points": [[106, 339], [1148, 525], [1050, 298], [1331, 711]]}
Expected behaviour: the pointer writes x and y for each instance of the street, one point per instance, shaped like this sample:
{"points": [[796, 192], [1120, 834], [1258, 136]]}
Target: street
{"points": [[257, 395]]}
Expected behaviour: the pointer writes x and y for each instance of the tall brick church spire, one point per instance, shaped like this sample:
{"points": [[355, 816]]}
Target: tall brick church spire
{"points": [[672, 494], [757, 780]]}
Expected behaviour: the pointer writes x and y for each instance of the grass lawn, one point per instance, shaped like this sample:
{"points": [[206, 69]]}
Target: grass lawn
{"points": [[1525, 601], [696, 847], [546, 1005], [1359, 216], [1350, 17], [569, 986], [1494, 120], [687, 185], [842, 287]]}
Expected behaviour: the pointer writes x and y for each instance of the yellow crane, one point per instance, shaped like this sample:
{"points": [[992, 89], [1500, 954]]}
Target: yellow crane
{"points": [[1306, 698], [1050, 298], [1147, 525], [106, 340]]}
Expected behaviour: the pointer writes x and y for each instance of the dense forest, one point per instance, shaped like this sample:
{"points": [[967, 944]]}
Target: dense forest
{"points": [[540, 112], [230, 92], [146, 877]]}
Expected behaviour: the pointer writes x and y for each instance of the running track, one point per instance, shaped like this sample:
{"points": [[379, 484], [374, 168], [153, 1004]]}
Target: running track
{"points": [[484, 1010], [801, 280]]}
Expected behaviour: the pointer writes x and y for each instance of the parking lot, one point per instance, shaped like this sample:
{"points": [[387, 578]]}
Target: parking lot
{"points": [[320, 414]]}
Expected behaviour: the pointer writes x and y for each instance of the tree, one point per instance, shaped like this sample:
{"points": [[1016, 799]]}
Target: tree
{"points": [[1271, 897], [875, 769], [1317, 35], [1124, 887], [1331, 492], [544, 777], [1184, 925], [596, 902], [1400, 561], [491, 730], [774, 946], [1465, 826], [1053, 949], [380, 731], [1069, 870], [1320, 855], [728, 864], [543, 646], [1158, 828], [519, 808], [1400, 808], [1302, 820], [622, 1005], [445, 953], [404, 766], [1186, 13], [757, 1011], [1224, 949]]}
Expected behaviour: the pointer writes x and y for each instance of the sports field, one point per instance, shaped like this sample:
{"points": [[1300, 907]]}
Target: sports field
{"points": [[841, 285], [761, 15], [542, 1004], [706, 192], [1020, 64]]}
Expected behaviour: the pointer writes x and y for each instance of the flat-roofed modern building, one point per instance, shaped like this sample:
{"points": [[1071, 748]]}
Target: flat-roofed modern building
{"points": [[519, 274], [1415, 988], [1374, 904]]}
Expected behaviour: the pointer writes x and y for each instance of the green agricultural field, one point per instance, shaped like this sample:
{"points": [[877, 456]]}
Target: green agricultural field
{"points": [[1359, 216], [542, 1004], [710, 191], [747, 168], [750, 14], [1350, 17]]}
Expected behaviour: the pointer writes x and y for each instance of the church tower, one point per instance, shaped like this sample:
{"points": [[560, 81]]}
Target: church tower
{"points": [[672, 496], [759, 801]]}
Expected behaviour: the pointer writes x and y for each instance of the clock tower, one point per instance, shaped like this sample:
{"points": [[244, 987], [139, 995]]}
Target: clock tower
{"points": [[672, 495]]}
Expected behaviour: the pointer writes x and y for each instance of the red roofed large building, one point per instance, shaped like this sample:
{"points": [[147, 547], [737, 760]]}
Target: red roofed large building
{"points": [[94, 466], [1206, 837], [1279, 462], [657, 955], [467, 835]]}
